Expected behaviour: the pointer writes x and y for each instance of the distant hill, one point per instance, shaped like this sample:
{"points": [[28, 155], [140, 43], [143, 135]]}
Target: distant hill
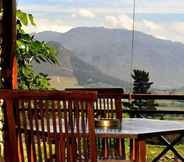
{"points": [[72, 68], [108, 50]]}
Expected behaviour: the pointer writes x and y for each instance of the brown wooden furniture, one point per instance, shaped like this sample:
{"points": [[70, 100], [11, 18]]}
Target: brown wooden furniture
{"points": [[108, 105], [140, 129], [164, 140], [17, 102], [54, 126]]}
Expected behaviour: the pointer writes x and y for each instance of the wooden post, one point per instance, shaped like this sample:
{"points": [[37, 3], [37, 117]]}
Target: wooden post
{"points": [[11, 145], [9, 45], [9, 76], [10, 140]]}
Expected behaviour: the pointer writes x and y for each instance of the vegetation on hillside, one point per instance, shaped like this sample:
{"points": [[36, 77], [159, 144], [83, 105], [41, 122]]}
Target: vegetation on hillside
{"points": [[142, 85]]}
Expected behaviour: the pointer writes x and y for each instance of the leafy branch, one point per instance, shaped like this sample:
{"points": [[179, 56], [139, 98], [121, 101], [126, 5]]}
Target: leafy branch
{"points": [[28, 50]]}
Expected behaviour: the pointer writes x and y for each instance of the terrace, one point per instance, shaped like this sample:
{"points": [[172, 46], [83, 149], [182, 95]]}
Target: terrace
{"points": [[59, 126]]}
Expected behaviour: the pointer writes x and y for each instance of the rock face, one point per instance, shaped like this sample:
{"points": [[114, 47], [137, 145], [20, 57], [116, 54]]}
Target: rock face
{"points": [[108, 50]]}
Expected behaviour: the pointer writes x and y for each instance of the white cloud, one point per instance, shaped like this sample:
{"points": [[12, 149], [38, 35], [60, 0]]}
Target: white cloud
{"points": [[159, 7], [86, 13], [171, 31], [46, 8], [110, 17], [143, 6], [44, 24], [155, 29], [122, 21], [162, 30], [178, 27], [151, 25]]}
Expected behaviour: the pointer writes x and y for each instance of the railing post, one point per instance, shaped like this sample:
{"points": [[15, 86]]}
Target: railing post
{"points": [[11, 150], [8, 56]]}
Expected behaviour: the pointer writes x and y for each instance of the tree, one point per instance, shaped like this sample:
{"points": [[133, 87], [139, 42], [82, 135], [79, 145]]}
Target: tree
{"points": [[141, 81], [29, 50], [142, 85]]}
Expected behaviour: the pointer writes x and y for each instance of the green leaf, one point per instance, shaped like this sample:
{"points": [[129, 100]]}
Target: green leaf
{"points": [[30, 49], [22, 16], [31, 19]]}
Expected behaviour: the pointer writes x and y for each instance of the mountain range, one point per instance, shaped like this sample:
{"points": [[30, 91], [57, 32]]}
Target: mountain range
{"points": [[107, 52], [74, 72]]}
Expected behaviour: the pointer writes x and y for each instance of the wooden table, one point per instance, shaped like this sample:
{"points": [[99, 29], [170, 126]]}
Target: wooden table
{"points": [[138, 130]]}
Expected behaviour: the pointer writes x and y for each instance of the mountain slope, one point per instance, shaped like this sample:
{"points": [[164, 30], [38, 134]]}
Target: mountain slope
{"points": [[109, 51], [73, 68]]}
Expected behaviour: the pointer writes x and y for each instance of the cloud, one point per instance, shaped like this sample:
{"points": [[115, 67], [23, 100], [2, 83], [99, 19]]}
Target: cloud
{"points": [[46, 8], [86, 13], [143, 6], [151, 25], [122, 21], [44, 24], [158, 6], [62, 17], [170, 31], [162, 30], [155, 29]]}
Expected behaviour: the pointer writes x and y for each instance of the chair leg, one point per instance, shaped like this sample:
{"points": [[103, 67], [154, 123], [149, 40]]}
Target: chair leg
{"points": [[105, 148], [60, 150], [30, 151], [140, 150], [132, 149], [120, 148]]}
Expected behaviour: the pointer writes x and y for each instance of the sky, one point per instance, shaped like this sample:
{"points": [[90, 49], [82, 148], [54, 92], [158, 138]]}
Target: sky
{"points": [[163, 19]]}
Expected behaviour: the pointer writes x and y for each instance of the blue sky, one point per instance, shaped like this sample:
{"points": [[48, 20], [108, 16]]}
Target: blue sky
{"points": [[161, 18]]}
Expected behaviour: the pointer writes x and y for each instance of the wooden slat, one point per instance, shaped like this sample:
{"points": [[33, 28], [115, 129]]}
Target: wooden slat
{"points": [[24, 124], [42, 114], [48, 130], [44, 136], [108, 105], [32, 155], [19, 135]]}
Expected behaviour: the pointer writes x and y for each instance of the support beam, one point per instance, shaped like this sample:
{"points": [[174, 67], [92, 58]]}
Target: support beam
{"points": [[8, 57], [9, 75]]}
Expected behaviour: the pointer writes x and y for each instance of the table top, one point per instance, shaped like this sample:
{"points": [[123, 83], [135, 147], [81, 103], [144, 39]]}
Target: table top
{"points": [[130, 127], [138, 127]]}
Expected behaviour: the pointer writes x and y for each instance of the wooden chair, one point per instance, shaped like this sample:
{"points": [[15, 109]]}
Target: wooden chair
{"points": [[55, 126], [108, 105]]}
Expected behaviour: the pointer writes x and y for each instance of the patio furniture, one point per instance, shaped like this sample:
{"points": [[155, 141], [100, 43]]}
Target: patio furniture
{"points": [[167, 140], [109, 106], [63, 139], [138, 130], [55, 126]]}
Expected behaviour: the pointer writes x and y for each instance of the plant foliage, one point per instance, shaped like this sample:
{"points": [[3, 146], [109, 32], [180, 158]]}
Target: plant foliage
{"points": [[142, 85], [29, 50]]}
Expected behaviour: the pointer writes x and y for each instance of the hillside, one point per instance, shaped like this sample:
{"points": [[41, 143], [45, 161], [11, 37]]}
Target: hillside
{"points": [[73, 72], [108, 50]]}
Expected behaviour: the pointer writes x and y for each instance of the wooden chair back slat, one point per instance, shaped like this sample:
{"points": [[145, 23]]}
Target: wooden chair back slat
{"points": [[108, 105], [55, 126]]}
